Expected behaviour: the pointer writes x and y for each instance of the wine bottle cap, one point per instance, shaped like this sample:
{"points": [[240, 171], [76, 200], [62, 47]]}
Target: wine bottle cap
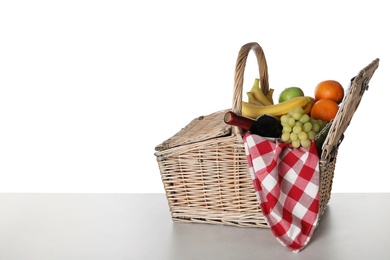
{"points": [[228, 117]]}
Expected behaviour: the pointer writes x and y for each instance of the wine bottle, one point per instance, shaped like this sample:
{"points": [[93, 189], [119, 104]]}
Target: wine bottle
{"points": [[264, 125]]}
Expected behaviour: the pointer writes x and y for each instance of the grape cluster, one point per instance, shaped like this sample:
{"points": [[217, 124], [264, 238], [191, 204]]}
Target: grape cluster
{"points": [[299, 129]]}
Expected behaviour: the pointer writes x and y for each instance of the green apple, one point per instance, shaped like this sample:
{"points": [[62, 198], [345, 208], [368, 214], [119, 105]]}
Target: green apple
{"points": [[289, 93]]}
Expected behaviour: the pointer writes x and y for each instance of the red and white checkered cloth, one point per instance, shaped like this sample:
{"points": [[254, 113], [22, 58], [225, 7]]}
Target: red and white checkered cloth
{"points": [[286, 182]]}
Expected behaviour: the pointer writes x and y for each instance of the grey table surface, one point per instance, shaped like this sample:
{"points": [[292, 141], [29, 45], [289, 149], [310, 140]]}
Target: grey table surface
{"points": [[139, 226]]}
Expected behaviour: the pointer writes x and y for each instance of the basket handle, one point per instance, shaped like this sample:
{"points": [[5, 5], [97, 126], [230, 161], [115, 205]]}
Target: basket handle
{"points": [[239, 76]]}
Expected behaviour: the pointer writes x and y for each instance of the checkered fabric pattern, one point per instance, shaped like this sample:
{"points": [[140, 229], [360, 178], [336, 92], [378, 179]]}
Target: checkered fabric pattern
{"points": [[286, 182]]}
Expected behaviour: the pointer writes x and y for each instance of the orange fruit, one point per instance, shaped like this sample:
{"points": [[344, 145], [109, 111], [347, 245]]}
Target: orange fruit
{"points": [[324, 109], [329, 89]]}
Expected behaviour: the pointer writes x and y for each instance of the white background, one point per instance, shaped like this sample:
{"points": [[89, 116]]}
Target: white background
{"points": [[89, 88]]}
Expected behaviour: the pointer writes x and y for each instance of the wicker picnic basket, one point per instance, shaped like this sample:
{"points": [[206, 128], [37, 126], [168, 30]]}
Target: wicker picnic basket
{"points": [[204, 167]]}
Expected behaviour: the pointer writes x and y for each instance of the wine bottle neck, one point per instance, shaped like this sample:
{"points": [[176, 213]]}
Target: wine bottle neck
{"points": [[232, 118]]}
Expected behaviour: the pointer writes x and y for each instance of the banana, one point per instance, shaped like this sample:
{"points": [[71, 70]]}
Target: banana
{"points": [[307, 107], [258, 94], [254, 111], [252, 100], [269, 95]]}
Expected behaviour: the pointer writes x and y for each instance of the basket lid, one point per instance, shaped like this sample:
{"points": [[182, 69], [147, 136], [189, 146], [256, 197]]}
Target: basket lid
{"points": [[199, 129], [357, 87]]}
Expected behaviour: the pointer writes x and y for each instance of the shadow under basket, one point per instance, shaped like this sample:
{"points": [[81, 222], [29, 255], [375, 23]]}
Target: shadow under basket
{"points": [[204, 167]]}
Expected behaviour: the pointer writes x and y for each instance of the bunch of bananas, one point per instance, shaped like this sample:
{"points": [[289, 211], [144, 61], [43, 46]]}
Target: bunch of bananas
{"points": [[260, 103]]}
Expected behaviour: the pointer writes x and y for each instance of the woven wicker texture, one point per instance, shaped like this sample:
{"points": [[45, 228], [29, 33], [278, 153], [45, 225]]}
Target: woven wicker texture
{"points": [[199, 129], [354, 94], [204, 167], [209, 182]]}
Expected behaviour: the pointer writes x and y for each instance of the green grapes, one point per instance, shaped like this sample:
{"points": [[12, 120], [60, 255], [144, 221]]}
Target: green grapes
{"points": [[300, 129], [307, 127], [285, 137], [297, 129]]}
